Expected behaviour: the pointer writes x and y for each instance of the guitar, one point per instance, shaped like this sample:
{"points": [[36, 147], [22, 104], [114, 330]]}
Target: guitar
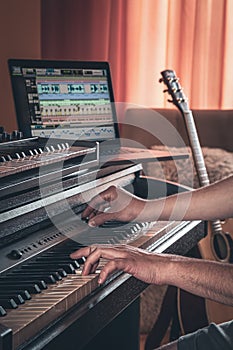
{"points": [[221, 243]]}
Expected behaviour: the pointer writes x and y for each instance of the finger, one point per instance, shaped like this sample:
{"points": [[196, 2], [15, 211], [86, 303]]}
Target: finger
{"points": [[104, 251], [111, 267], [90, 208], [102, 208], [82, 252], [102, 198], [94, 267], [99, 219]]}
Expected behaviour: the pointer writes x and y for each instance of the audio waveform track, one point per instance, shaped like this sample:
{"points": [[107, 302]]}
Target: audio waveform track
{"points": [[98, 133]]}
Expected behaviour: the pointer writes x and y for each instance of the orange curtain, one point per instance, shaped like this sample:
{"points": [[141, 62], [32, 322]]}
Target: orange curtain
{"points": [[140, 38]]}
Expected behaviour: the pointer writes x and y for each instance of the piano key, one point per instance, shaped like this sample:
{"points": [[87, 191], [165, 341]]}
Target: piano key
{"points": [[15, 280], [57, 260], [53, 257], [8, 303], [2, 311], [54, 276], [45, 307], [31, 287], [56, 263], [49, 278], [16, 297], [62, 272], [69, 268], [24, 293], [63, 254], [57, 273]]}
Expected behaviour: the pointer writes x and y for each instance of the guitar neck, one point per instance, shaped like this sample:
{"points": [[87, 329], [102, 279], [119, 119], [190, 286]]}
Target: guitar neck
{"points": [[198, 159], [196, 149]]}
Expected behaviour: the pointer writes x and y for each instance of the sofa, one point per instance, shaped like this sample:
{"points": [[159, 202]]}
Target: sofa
{"points": [[214, 126], [165, 129]]}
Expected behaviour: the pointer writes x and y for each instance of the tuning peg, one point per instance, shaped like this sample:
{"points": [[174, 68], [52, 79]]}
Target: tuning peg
{"points": [[166, 90], [161, 80], [171, 101]]}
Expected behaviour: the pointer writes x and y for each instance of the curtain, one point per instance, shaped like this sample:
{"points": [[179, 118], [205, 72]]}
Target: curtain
{"points": [[140, 38]]}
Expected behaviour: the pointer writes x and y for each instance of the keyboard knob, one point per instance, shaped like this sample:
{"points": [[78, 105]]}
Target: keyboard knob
{"points": [[15, 254]]}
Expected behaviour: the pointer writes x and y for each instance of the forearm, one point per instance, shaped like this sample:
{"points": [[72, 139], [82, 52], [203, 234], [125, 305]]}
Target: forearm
{"points": [[208, 203], [207, 279]]}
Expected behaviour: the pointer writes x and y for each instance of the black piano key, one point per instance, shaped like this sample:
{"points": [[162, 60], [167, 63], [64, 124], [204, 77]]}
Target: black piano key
{"points": [[54, 257], [63, 255], [8, 303], [2, 311], [69, 268], [62, 272], [31, 287], [65, 249], [58, 273], [40, 272], [52, 277], [57, 260], [24, 293], [48, 265], [18, 281], [35, 276], [16, 297]]}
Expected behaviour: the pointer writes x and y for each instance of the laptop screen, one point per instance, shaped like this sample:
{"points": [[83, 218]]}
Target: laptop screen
{"points": [[64, 99]]}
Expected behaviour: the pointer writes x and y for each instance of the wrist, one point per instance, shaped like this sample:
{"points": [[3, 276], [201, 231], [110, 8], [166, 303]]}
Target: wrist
{"points": [[163, 268]]}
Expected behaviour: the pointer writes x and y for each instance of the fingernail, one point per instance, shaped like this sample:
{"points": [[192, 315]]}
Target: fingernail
{"points": [[100, 280], [91, 223]]}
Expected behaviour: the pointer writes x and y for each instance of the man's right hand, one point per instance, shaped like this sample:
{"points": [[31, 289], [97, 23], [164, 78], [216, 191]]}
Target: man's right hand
{"points": [[113, 204]]}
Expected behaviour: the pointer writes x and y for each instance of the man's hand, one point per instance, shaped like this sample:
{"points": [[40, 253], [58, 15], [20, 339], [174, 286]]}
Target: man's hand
{"points": [[113, 204], [206, 278], [137, 262]]}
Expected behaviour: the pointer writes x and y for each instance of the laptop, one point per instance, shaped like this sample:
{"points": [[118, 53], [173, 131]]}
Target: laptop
{"points": [[72, 100]]}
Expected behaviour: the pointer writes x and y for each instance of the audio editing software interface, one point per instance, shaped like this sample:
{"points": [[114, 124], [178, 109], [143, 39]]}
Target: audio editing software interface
{"points": [[68, 103]]}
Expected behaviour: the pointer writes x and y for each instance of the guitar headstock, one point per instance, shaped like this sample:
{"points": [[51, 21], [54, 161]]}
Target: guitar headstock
{"points": [[179, 99]]}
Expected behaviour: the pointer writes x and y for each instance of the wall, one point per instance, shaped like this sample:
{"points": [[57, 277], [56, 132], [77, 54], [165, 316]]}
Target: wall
{"points": [[20, 37]]}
